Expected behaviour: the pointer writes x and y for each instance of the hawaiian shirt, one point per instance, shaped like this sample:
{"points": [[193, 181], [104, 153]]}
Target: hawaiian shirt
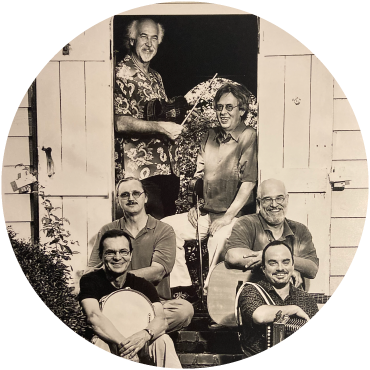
{"points": [[144, 156]]}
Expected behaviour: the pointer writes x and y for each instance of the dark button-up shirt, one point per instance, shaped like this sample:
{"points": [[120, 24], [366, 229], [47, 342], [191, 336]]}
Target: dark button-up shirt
{"points": [[155, 243], [140, 157], [254, 335], [224, 162]]}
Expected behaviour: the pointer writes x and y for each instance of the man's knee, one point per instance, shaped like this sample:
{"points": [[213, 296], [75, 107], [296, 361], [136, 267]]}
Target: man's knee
{"points": [[186, 312]]}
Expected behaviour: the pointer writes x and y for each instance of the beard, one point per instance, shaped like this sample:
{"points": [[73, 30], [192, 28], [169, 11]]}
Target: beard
{"points": [[146, 56], [273, 218]]}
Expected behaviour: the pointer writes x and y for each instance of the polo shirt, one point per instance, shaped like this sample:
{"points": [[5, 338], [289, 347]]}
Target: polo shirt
{"points": [[156, 242], [224, 162], [254, 335], [252, 232]]}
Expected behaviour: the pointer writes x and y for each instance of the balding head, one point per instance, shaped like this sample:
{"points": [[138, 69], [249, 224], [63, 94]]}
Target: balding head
{"points": [[270, 186], [273, 201]]}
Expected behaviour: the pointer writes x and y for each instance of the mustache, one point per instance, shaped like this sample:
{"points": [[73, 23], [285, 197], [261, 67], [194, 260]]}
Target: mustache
{"points": [[131, 202], [280, 272]]}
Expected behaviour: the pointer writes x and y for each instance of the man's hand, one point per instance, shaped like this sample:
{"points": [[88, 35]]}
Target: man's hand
{"points": [[193, 216], [252, 258], [171, 129], [295, 310], [296, 279], [220, 222], [132, 345]]}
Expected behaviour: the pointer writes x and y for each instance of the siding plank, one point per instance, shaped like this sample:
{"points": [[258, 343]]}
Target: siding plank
{"points": [[348, 145], [20, 126], [344, 118], [73, 119], [297, 112], [341, 259], [321, 135], [349, 203], [24, 102], [17, 207], [271, 111], [17, 151], [346, 232], [355, 171]]}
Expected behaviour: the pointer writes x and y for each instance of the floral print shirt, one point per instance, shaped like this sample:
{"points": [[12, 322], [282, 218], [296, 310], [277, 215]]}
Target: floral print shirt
{"points": [[143, 156]]}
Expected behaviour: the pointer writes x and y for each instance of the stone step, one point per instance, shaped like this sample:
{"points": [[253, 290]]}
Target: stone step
{"points": [[220, 341], [196, 360]]}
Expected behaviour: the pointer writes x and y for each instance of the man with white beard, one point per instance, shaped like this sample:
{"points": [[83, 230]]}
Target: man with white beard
{"points": [[251, 233], [144, 148]]}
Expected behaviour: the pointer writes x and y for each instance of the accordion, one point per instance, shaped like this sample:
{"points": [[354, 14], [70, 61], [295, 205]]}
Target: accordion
{"points": [[282, 328]]}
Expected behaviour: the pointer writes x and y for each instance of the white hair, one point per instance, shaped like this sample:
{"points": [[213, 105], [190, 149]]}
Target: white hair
{"points": [[132, 30]]}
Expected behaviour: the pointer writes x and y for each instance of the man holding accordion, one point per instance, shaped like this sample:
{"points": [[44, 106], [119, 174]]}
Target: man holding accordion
{"points": [[261, 304]]}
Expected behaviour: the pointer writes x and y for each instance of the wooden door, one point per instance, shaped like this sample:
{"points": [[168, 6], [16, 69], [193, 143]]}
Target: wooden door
{"points": [[295, 93], [74, 115]]}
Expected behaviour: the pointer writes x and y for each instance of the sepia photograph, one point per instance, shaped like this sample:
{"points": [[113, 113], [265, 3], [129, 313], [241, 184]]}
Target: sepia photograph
{"points": [[185, 185]]}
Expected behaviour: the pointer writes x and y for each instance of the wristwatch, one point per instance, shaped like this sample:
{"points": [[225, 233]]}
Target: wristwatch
{"points": [[150, 332]]}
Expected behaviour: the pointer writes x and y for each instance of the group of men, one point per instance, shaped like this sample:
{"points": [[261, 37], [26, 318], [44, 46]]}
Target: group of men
{"points": [[142, 252]]}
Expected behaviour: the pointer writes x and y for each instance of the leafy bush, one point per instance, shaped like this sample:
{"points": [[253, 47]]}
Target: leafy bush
{"points": [[50, 277]]}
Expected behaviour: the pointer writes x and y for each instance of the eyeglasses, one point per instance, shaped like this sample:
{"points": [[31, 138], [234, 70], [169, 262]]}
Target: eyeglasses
{"points": [[110, 254], [135, 194], [268, 201], [228, 107]]}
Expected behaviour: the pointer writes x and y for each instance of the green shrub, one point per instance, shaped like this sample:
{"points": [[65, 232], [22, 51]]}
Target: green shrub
{"points": [[50, 278]]}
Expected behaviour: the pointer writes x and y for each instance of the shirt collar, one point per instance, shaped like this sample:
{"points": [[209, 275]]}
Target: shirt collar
{"points": [[150, 224], [221, 135], [286, 231], [269, 287]]}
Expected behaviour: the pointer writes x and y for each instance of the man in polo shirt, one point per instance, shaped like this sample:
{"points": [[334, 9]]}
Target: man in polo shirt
{"points": [[278, 265], [251, 233], [153, 252], [227, 163]]}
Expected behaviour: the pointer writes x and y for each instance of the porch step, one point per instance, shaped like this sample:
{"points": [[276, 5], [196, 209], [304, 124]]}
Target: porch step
{"points": [[195, 360]]}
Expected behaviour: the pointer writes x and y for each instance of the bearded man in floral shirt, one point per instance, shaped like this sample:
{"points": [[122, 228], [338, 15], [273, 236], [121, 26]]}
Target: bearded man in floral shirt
{"points": [[144, 149]]}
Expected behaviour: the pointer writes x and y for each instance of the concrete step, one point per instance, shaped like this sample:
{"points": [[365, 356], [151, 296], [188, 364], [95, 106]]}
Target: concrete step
{"points": [[196, 360], [220, 341]]}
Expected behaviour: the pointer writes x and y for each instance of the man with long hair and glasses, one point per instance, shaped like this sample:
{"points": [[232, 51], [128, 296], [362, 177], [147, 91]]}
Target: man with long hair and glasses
{"points": [[153, 249], [251, 233]]}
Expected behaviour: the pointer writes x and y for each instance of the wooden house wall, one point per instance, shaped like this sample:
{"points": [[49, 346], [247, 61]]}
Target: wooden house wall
{"points": [[17, 207], [348, 206]]}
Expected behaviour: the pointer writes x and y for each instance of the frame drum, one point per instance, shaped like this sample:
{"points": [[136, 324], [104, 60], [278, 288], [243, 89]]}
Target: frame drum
{"points": [[129, 310]]}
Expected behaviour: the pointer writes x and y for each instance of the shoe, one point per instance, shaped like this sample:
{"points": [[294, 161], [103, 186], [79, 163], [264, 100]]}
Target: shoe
{"points": [[214, 326]]}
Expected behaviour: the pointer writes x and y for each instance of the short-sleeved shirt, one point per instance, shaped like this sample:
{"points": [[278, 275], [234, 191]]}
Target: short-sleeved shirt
{"points": [[96, 285], [143, 156], [252, 232], [156, 242], [224, 162], [250, 299]]}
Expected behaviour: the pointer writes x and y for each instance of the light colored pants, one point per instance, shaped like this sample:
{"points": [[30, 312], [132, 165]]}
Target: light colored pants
{"points": [[178, 313], [185, 231], [161, 351]]}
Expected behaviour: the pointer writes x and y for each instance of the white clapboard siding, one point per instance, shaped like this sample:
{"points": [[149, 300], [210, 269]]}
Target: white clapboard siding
{"points": [[344, 118], [341, 259], [334, 283], [24, 103], [346, 232], [355, 171], [17, 151], [348, 145], [17, 207], [22, 229], [338, 92], [349, 203]]}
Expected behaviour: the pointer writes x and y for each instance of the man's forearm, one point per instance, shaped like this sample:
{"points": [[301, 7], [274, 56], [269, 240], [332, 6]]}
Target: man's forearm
{"points": [[306, 267], [266, 314], [105, 330], [131, 125], [241, 199], [154, 274]]}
